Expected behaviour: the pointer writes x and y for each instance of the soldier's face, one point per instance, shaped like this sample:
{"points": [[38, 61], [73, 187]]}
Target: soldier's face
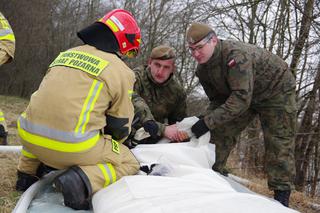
{"points": [[161, 69], [203, 50]]}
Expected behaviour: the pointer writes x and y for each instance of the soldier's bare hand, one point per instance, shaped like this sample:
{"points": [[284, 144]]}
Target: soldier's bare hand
{"points": [[182, 136], [171, 132]]}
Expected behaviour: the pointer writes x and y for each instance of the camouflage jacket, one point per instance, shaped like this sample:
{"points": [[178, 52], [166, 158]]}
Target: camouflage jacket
{"points": [[238, 76], [161, 102]]}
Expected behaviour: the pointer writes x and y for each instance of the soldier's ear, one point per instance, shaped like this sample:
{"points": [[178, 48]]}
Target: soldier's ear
{"points": [[149, 61], [174, 67], [214, 39]]}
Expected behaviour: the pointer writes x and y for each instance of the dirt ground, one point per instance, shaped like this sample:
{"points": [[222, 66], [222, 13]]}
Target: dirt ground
{"points": [[258, 183], [13, 106]]}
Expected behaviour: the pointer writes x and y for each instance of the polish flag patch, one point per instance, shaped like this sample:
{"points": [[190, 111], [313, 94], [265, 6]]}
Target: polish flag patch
{"points": [[232, 63]]}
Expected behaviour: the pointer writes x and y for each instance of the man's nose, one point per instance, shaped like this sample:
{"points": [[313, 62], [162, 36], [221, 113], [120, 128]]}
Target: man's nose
{"points": [[195, 53], [160, 70]]}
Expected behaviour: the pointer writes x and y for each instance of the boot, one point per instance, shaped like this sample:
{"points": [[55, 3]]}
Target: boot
{"points": [[75, 187], [224, 170], [24, 181], [43, 170], [3, 140], [3, 135], [282, 196]]}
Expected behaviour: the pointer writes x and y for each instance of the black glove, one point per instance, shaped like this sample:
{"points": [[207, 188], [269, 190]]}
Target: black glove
{"points": [[199, 128], [200, 116], [151, 127]]}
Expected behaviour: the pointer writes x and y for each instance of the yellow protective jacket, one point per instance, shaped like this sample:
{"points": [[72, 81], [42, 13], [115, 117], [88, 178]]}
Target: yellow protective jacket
{"points": [[84, 90], [7, 39]]}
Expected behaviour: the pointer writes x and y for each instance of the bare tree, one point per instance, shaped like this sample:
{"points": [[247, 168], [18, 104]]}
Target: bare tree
{"points": [[288, 28]]}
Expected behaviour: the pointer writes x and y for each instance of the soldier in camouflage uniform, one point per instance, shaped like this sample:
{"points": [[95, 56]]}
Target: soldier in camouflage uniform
{"points": [[7, 48], [243, 81], [158, 98]]}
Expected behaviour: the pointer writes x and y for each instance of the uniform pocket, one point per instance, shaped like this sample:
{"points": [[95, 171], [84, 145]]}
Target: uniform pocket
{"points": [[110, 153]]}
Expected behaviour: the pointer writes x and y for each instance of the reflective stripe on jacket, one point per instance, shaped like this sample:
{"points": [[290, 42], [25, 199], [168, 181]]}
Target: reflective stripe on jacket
{"points": [[7, 39], [82, 87]]}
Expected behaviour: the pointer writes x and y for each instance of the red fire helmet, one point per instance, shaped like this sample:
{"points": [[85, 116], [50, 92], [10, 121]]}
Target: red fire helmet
{"points": [[126, 30]]}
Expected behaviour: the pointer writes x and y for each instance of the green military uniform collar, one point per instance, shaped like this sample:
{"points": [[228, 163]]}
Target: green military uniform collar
{"points": [[150, 78]]}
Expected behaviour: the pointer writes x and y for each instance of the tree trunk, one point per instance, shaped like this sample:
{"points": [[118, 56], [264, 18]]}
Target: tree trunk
{"points": [[303, 34]]}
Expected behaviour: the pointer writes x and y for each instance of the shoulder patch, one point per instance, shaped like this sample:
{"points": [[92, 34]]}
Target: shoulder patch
{"points": [[231, 63]]}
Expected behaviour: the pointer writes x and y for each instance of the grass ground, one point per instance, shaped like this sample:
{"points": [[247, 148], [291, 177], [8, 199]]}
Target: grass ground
{"points": [[13, 106], [258, 184]]}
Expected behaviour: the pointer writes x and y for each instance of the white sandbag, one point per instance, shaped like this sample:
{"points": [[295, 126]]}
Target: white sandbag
{"points": [[197, 152], [176, 154]]}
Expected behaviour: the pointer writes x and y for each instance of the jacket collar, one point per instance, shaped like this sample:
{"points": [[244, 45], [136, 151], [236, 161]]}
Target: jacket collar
{"points": [[215, 58]]}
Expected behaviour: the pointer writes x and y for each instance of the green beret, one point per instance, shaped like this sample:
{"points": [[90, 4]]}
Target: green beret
{"points": [[197, 32], [162, 52]]}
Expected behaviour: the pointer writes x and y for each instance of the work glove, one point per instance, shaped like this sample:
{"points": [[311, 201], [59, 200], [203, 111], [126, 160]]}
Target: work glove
{"points": [[156, 169], [199, 128], [151, 127], [200, 116], [148, 168]]}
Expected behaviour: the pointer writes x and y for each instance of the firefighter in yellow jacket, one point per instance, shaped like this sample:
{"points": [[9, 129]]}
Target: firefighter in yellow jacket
{"points": [[7, 48], [82, 112]]}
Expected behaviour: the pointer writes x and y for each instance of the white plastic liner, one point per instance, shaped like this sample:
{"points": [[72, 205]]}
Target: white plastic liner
{"points": [[188, 184]]}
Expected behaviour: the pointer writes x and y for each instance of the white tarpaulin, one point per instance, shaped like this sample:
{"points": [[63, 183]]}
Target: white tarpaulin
{"points": [[187, 184]]}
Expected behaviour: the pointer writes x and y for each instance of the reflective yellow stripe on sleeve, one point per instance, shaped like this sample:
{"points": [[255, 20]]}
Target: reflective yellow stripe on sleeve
{"points": [[4, 24], [6, 32], [9, 37], [130, 92], [1, 116], [88, 106], [109, 173]]}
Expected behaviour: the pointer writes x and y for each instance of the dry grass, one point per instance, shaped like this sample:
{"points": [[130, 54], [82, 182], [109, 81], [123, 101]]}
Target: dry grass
{"points": [[258, 183], [12, 107], [8, 195]]}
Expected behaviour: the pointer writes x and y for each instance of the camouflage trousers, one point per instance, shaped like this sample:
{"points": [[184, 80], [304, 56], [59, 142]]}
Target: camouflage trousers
{"points": [[278, 121]]}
